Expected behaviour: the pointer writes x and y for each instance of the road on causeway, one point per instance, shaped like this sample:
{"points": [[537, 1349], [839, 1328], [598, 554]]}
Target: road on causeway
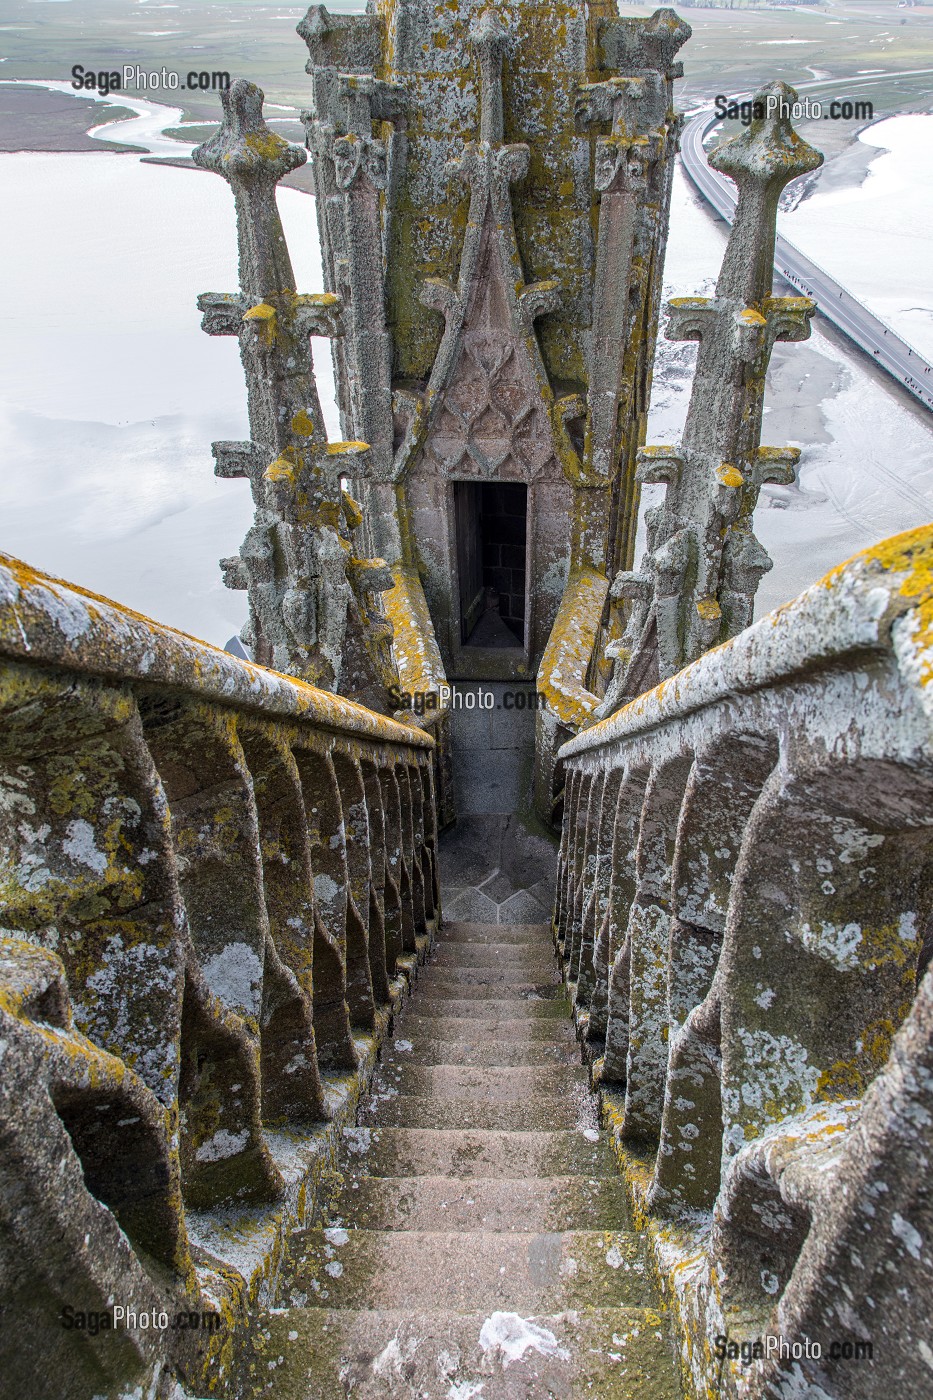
{"points": [[838, 305]]}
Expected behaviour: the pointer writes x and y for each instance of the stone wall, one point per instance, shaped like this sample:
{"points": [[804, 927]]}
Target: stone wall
{"points": [[215, 884], [744, 911]]}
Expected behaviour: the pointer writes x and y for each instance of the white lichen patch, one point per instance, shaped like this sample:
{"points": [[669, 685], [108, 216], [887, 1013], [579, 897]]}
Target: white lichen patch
{"points": [[222, 1144], [80, 845], [838, 946], [358, 1140], [905, 1232], [778, 1070], [854, 842], [234, 975]]}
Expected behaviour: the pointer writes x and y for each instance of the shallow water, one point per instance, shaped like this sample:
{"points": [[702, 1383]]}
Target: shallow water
{"points": [[110, 393], [877, 236]]}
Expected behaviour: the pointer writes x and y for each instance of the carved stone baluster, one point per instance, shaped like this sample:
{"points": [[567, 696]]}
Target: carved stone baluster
{"points": [[332, 894], [420, 869], [587, 812], [400, 929], [389, 946], [358, 856], [829, 893], [611, 935], [563, 900], [410, 880], [215, 834], [291, 1086], [89, 867], [724, 785], [648, 935], [91, 1186], [596, 904], [432, 893]]}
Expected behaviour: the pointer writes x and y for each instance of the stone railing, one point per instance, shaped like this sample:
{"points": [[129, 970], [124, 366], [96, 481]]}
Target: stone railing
{"points": [[215, 883], [744, 911]]}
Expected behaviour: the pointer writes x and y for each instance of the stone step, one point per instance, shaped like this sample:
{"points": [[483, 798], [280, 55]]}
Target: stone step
{"points": [[481, 1083], [484, 1050], [442, 985], [598, 1353], [495, 955], [514, 1271], [525, 1030], [539, 934], [453, 1007], [504, 1204], [472, 1153], [391, 1110], [490, 975]]}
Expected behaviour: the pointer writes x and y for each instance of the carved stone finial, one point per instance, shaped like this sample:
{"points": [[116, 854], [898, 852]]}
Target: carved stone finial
{"points": [[488, 35], [304, 584], [252, 159], [761, 161], [244, 146], [652, 43]]}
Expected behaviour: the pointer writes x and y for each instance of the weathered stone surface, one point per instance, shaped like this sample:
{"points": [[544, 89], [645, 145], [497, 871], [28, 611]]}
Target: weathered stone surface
{"points": [[696, 584], [492, 195], [460, 1261], [758, 1024], [215, 883], [312, 599]]}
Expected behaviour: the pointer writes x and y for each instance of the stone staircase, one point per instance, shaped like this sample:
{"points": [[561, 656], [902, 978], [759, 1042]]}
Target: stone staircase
{"points": [[479, 1247]]}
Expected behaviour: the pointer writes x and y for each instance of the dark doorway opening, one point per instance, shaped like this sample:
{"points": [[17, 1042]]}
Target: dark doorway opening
{"points": [[492, 532]]}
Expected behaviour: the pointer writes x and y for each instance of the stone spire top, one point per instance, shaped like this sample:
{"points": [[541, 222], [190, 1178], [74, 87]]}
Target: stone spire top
{"points": [[696, 584], [488, 35], [485, 344], [761, 161], [252, 159]]}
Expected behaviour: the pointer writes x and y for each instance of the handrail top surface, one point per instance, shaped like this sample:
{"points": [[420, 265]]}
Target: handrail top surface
{"points": [[853, 608], [51, 622]]}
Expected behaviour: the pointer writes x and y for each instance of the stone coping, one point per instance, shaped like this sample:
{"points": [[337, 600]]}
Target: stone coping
{"points": [[881, 599], [47, 621], [414, 644], [562, 673]]}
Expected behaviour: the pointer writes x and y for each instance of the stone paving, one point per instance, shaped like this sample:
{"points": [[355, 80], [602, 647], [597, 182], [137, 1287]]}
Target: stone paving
{"points": [[498, 863]]}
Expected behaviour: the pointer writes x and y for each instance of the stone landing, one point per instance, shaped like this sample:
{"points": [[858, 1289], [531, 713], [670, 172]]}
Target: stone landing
{"points": [[479, 1247]]}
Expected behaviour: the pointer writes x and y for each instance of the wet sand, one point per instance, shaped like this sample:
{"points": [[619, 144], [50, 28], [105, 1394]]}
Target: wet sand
{"points": [[33, 119]]}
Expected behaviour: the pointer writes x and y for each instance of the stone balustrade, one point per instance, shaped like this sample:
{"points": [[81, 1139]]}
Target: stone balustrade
{"points": [[215, 882], [744, 911]]}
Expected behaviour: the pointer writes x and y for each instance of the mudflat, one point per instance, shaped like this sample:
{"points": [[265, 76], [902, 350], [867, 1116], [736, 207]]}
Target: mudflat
{"points": [[34, 119]]}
